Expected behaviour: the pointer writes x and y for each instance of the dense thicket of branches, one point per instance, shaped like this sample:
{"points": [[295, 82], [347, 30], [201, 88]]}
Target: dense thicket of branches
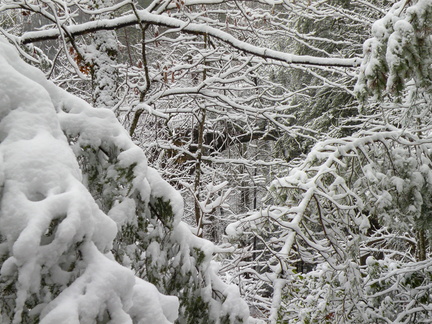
{"points": [[224, 97]]}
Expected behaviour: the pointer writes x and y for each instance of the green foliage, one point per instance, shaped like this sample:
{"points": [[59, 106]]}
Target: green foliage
{"points": [[398, 51], [151, 239], [162, 211]]}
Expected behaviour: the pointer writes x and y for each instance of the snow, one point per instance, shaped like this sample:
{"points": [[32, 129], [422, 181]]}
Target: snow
{"points": [[123, 212], [58, 240], [49, 219], [152, 307], [161, 188], [165, 20]]}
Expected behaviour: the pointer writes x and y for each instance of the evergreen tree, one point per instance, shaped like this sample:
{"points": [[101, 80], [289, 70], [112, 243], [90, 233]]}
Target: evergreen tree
{"points": [[62, 215]]}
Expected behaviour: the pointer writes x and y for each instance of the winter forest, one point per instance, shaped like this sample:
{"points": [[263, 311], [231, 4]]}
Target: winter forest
{"points": [[215, 161]]}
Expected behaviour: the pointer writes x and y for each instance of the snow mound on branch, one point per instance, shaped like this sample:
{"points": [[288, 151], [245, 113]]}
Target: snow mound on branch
{"points": [[53, 237]]}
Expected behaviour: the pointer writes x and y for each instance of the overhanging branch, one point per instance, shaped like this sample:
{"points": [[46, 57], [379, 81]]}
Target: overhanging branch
{"points": [[145, 17]]}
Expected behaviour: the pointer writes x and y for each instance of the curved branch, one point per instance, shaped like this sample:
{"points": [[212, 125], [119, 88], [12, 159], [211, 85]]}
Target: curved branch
{"points": [[145, 17]]}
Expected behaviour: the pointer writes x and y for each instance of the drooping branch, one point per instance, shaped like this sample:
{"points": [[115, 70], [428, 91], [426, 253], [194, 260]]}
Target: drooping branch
{"points": [[145, 17]]}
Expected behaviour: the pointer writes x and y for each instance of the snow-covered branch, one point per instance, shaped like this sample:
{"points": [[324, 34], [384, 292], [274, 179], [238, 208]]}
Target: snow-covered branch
{"points": [[146, 17]]}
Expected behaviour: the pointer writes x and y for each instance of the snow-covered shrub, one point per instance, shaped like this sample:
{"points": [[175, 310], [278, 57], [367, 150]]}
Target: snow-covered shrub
{"points": [[56, 264], [71, 206]]}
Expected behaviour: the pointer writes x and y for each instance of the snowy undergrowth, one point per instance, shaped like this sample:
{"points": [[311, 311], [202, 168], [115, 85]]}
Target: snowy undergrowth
{"points": [[58, 248]]}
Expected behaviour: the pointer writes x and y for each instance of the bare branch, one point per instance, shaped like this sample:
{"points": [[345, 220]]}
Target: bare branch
{"points": [[145, 17]]}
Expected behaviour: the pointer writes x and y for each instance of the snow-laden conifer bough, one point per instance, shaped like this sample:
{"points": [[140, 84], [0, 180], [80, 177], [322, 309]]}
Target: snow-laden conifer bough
{"points": [[55, 242]]}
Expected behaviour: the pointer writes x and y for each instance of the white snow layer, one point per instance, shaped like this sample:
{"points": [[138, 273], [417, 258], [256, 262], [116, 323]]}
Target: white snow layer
{"points": [[41, 189]]}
